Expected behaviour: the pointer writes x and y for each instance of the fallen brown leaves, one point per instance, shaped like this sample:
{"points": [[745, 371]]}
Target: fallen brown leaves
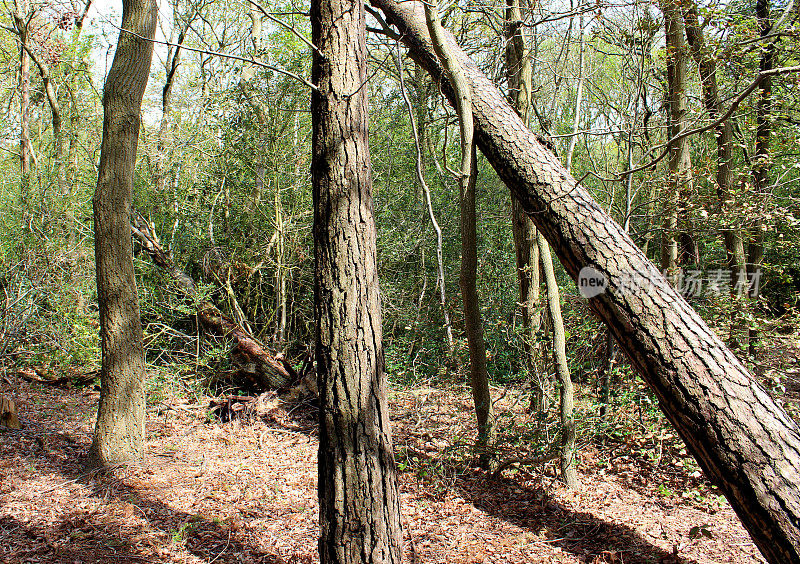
{"points": [[245, 491]]}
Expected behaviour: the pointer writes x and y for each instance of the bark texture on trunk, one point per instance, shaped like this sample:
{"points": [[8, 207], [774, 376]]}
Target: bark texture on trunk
{"points": [[743, 440], [359, 504], [119, 433]]}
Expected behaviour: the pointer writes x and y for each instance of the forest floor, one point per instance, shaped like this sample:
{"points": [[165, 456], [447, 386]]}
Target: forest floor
{"points": [[244, 490]]}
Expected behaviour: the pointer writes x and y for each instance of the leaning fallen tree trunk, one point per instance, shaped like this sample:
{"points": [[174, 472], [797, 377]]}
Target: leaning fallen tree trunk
{"points": [[743, 440], [264, 370]]}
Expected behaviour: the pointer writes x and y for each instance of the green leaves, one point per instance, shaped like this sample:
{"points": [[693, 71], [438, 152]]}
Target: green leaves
{"points": [[699, 531]]}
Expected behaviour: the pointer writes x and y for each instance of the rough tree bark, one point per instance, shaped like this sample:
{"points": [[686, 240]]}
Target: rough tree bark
{"points": [[359, 503], [119, 433], [744, 441]]}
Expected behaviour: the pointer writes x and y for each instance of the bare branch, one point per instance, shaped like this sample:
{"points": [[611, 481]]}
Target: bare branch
{"points": [[279, 70]]}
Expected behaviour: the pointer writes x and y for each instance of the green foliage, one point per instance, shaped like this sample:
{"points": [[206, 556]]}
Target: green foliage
{"points": [[699, 531], [236, 208], [48, 315]]}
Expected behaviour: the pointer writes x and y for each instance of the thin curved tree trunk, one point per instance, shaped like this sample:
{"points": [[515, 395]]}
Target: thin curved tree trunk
{"points": [[119, 433], [566, 390], [473, 324], [567, 401], [745, 443], [359, 506]]}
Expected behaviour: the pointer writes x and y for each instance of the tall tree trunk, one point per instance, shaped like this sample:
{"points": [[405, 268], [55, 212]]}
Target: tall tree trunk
{"points": [[119, 433], [680, 164], [567, 402], [468, 279], [723, 133], [745, 443], [561, 368], [25, 148], [529, 283], [473, 323], [359, 503], [761, 159], [566, 391], [519, 73]]}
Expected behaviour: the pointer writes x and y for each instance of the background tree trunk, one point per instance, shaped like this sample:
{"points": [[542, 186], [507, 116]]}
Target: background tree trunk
{"points": [[25, 148], [723, 133], [178, 36], [519, 73], [761, 159], [680, 164], [359, 504], [55, 110], [743, 440], [119, 433]]}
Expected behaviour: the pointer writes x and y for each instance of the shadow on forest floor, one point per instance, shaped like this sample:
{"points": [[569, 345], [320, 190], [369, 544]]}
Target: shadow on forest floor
{"points": [[133, 526], [256, 500], [583, 534]]}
